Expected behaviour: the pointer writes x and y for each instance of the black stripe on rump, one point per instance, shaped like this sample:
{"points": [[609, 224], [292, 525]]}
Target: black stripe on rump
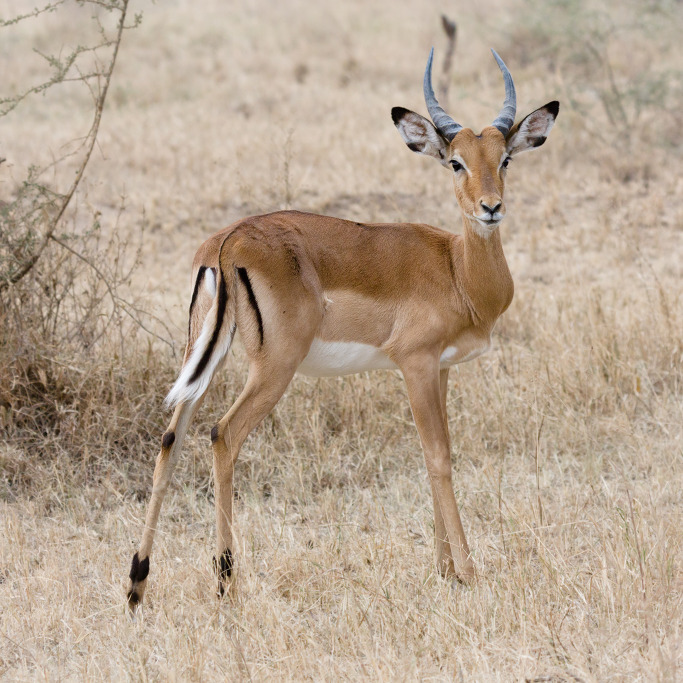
{"points": [[197, 284], [242, 272], [222, 302]]}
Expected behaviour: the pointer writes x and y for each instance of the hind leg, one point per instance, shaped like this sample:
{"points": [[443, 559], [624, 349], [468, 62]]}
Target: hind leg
{"points": [[259, 396], [171, 444]]}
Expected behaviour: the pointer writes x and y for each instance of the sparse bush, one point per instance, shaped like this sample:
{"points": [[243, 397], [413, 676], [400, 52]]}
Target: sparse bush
{"points": [[75, 369]]}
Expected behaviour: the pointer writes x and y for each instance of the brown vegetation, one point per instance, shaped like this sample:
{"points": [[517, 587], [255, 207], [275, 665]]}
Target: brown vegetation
{"points": [[567, 435]]}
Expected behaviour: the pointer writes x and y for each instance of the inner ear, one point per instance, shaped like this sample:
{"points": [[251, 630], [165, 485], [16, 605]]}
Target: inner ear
{"points": [[533, 130], [420, 135]]}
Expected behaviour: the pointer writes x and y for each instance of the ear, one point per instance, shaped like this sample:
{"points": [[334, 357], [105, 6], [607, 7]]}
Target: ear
{"points": [[532, 131], [420, 134]]}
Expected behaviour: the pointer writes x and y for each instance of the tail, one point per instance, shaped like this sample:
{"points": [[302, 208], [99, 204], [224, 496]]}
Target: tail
{"points": [[209, 349]]}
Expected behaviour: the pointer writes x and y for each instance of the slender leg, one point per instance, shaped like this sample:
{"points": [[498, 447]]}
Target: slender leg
{"points": [[425, 392], [259, 396], [171, 443], [444, 560]]}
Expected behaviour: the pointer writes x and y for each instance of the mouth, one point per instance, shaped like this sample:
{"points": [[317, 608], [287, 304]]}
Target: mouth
{"points": [[488, 222]]}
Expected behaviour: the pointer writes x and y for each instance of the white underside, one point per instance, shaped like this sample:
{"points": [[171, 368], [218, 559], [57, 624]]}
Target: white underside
{"points": [[330, 359]]}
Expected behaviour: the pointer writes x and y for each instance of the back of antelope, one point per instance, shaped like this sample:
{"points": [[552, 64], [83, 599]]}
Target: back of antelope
{"points": [[324, 296]]}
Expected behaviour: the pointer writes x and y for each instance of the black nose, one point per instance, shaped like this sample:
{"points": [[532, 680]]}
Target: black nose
{"points": [[490, 209]]}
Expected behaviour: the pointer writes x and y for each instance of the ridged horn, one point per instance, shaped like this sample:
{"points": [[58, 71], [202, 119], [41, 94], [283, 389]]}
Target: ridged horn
{"points": [[506, 118], [443, 122]]}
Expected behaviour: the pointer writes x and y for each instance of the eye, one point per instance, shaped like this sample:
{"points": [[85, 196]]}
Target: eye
{"points": [[506, 162], [457, 166]]}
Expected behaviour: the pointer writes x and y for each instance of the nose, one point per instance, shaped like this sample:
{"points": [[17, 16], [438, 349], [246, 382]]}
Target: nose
{"points": [[490, 209]]}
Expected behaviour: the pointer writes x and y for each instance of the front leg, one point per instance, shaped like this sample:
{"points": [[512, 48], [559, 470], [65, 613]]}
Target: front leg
{"points": [[425, 391], [444, 560]]}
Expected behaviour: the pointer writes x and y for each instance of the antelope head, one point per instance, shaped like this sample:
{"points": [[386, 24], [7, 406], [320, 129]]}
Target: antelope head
{"points": [[479, 162]]}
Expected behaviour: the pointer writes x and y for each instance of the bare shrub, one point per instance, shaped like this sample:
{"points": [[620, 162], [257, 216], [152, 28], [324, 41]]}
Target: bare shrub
{"points": [[74, 368]]}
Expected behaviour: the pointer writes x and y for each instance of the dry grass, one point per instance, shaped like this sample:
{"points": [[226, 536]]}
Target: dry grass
{"points": [[567, 436]]}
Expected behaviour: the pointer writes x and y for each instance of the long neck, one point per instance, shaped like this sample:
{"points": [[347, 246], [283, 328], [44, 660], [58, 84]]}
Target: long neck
{"points": [[487, 278]]}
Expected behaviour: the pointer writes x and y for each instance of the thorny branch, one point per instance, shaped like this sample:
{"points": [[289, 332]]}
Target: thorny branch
{"points": [[90, 139]]}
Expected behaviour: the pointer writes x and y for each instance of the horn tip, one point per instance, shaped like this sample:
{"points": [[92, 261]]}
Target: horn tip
{"points": [[427, 85], [497, 57]]}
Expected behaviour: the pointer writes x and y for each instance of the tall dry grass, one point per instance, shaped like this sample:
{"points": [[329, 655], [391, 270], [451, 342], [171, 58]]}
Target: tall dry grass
{"points": [[566, 436]]}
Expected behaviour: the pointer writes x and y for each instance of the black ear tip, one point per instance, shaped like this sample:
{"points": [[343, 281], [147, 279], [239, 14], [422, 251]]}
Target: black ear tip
{"points": [[397, 113], [553, 107]]}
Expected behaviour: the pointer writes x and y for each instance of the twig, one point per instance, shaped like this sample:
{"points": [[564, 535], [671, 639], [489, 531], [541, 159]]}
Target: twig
{"points": [[450, 29], [538, 471], [50, 7]]}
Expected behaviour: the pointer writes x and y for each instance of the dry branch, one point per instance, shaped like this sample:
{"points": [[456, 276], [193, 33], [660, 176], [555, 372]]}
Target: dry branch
{"points": [[450, 29], [63, 202]]}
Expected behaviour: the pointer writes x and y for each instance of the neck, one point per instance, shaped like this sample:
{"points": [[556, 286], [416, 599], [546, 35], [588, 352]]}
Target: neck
{"points": [[487, 278]]}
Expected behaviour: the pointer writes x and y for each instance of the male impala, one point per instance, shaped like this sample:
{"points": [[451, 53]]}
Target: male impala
{"points": [[323, 296]]}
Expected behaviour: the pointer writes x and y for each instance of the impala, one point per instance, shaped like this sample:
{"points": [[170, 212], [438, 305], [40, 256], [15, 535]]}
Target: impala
{"points": [[324, 296]]}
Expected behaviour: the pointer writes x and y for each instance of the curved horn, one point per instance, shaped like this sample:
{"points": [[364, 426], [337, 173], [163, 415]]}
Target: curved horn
{"points": [[443, 122], [506, 117]]}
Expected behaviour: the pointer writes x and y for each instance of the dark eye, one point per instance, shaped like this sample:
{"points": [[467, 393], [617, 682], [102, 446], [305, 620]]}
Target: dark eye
{"points": [[457, 166], [506, 162]]}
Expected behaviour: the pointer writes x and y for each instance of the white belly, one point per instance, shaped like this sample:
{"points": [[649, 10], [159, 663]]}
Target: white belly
{"points": [[328, 359]]}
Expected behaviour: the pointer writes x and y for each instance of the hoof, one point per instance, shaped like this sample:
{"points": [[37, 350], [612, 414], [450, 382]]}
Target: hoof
{"points": [[466, 575], [445, 568], [138, 578]]}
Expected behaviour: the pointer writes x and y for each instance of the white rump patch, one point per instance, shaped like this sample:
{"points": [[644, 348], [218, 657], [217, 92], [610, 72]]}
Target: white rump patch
{"points": [[210, 281], [330, 359]]}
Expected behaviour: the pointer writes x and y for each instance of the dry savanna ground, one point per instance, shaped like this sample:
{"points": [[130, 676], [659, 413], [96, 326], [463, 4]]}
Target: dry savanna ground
{"points": [[567, 436]]}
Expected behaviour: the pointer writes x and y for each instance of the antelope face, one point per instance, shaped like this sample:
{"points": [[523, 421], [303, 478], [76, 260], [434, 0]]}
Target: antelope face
{"points": [[478, 162]]}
